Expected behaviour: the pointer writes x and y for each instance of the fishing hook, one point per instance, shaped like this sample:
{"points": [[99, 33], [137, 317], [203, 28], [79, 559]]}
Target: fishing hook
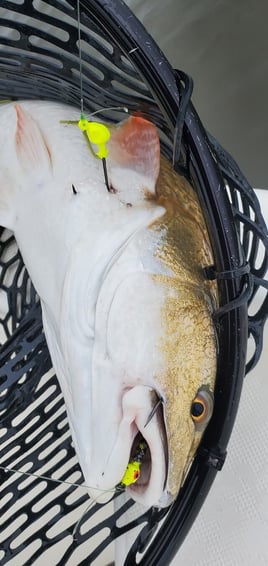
{"points": [[159, 402]]}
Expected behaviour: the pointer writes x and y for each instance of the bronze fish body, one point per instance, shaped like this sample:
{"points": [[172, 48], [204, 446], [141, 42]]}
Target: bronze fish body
{"points": [[127, 309]]}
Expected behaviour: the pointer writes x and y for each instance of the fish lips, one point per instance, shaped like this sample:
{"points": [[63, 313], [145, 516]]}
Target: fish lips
{"points": [[150, 487], [134, 428]]}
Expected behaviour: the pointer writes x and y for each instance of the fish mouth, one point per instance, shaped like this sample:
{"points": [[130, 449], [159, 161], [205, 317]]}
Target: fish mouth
{"points": [[150, 447], [146, 464], [124, 442]]}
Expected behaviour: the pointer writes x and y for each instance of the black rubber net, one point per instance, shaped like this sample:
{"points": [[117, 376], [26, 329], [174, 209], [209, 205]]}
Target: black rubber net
{"points": [[122, 66]]}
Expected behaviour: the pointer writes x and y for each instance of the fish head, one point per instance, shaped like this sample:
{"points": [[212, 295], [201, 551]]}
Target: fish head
{"points": [[189, 349], [156, 362]]}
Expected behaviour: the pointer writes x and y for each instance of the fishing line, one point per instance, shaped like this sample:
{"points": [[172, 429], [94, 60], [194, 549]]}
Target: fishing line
{"points": [[78, 523], [80, 58], [119, 489], [122, 108], [105, 133], [89, 506], [101, 134], [47, 478], [118, 108], [99, 111]]}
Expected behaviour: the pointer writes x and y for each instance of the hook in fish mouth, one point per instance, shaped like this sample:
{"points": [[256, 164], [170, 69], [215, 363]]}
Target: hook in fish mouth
{"points": [[148, 457], [159, 402], [139, 435]]}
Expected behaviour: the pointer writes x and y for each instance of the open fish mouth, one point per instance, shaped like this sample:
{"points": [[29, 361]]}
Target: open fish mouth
{"points": [[150, 449], [142, 482], [136, 438]]}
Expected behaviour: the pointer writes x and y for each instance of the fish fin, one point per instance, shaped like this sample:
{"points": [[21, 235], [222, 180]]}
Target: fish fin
{"points": [[135, 148], [31, 147]]}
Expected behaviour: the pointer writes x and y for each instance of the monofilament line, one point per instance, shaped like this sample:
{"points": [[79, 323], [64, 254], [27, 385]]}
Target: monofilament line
{"points": [[80, 58], [47, 478]]}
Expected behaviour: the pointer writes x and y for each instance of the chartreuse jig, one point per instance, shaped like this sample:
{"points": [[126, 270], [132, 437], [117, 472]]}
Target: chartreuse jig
{"points": [[133, 469], [98, 134]]}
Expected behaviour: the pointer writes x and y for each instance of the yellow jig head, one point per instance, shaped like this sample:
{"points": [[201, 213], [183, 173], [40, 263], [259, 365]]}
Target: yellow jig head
{"points": [[132, 473], [133, 469], [97, 133]]}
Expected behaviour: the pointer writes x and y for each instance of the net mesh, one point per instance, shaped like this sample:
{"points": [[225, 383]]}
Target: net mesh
{"points": [[39, 59]]}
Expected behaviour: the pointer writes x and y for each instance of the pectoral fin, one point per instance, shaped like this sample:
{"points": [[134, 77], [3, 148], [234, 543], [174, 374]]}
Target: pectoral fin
{"points": [[134, 158], [25, 160], [31, 146]]}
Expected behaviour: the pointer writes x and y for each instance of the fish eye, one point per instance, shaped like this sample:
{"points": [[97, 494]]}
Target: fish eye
{"points": [[202, 407]]}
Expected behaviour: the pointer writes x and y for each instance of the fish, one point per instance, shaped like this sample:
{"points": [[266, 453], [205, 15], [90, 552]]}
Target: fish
{"points": [[127, 308]]}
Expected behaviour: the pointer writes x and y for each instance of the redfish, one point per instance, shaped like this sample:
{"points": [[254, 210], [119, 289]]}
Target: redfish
{"points": [[127, 309]]}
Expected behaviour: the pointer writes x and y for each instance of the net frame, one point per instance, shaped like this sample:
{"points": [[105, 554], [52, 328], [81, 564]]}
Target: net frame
{"points": [[121, 66]]}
